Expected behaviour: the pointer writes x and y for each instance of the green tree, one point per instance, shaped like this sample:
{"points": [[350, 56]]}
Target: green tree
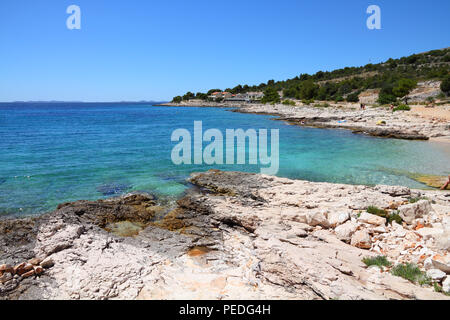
{"points": [[201, 96], [210, 92], [188, 96], [386, 98], [353, 97], [271, 96], [308, 90], [177, 99], [445, 86], [403, 87]]}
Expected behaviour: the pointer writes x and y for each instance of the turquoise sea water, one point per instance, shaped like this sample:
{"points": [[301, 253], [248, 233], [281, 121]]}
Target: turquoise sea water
{"points": [[59, 152]]}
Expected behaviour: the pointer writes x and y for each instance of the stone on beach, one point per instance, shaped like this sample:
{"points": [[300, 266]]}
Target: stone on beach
{"points": [[345, 231], [436, 274], [440, 264], [361, 239], [6, 277], [372, 219], [428, 233], [412, 211], [336, 218], [6, 268], [446, 285], [35, 261], [47, 263]]}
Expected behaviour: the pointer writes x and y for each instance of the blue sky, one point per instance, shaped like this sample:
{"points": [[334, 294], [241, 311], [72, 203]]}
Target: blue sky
{"points": [[154, 50]]}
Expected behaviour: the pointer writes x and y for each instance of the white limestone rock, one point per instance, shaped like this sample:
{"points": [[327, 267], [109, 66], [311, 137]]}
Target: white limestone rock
{"points": [[436, 274], [336, 218], [372, 219], [361, 239], [345, 231], [412, 211]]}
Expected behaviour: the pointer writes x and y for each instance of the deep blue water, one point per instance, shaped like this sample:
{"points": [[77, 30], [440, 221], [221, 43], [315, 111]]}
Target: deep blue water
{"points": [[59, 152]]}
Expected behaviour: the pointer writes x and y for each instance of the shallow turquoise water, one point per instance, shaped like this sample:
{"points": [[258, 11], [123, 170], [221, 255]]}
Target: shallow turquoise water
{"points": [[54, 153]]}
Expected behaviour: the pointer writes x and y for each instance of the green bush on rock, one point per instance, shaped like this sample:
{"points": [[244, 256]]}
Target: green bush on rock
{"points": [[380, 261], [288, 102], [402, 107], [411, 272]]}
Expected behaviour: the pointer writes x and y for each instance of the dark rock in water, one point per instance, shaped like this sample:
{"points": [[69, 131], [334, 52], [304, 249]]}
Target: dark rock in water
{"points": [[110, 189]]}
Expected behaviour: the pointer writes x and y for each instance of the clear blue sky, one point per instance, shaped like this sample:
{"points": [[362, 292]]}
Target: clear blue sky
{"points": [[154, 50]]}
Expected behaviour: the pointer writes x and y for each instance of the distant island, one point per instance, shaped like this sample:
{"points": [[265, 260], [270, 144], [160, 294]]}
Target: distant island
{"points": [[87, 102]]}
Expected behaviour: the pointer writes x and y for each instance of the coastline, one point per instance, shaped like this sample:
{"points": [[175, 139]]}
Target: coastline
{"points": [[399, 125], [233, 236]]}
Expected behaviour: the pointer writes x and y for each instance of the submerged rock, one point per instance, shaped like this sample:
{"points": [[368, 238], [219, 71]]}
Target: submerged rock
{"points": [[111, 189], [431, 180]]}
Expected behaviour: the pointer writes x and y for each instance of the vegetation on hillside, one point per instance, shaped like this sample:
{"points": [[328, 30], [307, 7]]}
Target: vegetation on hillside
{"points": [[394, 77]]}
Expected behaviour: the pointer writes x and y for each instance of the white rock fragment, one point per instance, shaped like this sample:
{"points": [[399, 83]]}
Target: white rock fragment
{"points": [[372, 219], [345, 231], [317, 218], [412, 211], [446, 285], [428, 264], [361, 239], [429, 233], [336, 218], [436, 274], [445, 267]]}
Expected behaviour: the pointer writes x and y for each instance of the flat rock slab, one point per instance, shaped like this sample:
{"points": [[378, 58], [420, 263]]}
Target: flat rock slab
{"points": [[235, 236]]}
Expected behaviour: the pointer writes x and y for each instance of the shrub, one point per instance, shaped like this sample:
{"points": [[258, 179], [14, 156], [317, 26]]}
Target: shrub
{"points": [[386, 98], [321, 105], [438, 288], [289, 102], [308, 89], [417, 199], [271, 96], [412, 273], [403, 87], [445, 86], [377, 211], [354, 97], [338, 99], [380, 261], [307, 101], [394, 217], [402, 107]]}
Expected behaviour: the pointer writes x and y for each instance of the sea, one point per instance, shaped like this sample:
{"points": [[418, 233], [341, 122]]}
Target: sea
{"points": [[52, 153]]}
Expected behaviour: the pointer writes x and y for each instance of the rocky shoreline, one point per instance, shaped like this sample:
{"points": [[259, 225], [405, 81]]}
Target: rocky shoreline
{"points": [[377, 122], [232, 236]]}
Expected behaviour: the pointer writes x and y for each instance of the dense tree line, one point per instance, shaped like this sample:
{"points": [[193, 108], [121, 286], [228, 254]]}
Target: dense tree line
{"points": [[395, 77]]}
